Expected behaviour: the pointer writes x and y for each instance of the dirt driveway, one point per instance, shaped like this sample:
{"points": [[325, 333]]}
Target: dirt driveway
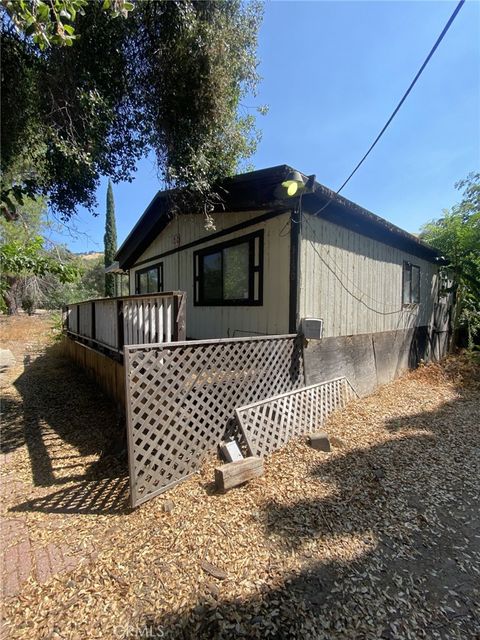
{"points": [[378, 539]]}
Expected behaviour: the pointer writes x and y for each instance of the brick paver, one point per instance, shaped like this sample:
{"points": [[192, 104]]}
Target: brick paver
{"points": [[9, 486], [17, 559], [21, 561], [31, 549]]}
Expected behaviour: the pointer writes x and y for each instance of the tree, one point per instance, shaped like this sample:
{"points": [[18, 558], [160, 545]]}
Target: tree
{"points": [[170, 77], [27, 259], [195, 62], [457, 236], [22, 264], [52, 23], [110, 241], [89, 284], [68, 115]]}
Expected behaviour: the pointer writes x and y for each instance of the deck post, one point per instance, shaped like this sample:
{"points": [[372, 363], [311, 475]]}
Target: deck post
{"points": [[179, 332], [92, 318], [120, 336]]}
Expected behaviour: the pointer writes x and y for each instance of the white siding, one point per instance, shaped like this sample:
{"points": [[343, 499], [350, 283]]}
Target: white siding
{"points": [[355, 283], [219, 322]]}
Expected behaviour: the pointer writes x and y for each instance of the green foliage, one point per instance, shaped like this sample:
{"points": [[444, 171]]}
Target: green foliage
{"points": [[195, 62], [37, 273], [457, 235], [28, 261], [110, 241], [88, 285], [68, 116], [53, 23], [170, 78], [30, 222], [92, 281], [18, 258], [23, 265]]}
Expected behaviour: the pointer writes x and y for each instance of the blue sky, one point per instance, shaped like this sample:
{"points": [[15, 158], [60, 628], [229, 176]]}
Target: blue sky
{"points": [[332, 74]]}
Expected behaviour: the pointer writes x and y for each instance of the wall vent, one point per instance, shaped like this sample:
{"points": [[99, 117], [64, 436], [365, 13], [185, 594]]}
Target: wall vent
{"points": [[312, 328]]}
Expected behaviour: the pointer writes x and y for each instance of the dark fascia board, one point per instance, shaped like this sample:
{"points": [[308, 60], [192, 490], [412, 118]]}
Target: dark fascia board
{"points": [[133, 244], [350, 215], [251, 191], [255, 191]]}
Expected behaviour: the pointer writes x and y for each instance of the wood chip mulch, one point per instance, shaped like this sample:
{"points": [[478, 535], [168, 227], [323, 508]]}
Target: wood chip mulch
{"points": [[380, 538]]}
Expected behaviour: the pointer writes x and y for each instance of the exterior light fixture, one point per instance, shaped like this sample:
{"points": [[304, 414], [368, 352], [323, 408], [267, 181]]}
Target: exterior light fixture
{"points": [[293, 183]]}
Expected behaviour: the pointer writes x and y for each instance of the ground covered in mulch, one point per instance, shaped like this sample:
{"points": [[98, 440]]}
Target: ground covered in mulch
{"points": [[378, 539]]}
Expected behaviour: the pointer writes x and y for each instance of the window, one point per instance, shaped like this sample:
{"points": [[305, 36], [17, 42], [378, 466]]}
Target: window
{"points": [[230, 273], [150, 279], [411, 283]]}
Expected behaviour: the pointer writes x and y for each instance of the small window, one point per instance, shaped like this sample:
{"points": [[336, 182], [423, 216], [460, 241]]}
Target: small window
{"points": [[230, 273], [149, 280], [411, 283]]}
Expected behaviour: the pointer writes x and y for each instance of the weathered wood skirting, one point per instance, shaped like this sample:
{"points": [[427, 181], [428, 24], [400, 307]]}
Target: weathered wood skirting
{"points": [[105, 371], [371, 359]]}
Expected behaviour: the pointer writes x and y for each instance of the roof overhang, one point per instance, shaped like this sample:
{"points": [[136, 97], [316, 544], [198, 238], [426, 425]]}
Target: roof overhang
{"points": [[259, 191], [335, 208]]}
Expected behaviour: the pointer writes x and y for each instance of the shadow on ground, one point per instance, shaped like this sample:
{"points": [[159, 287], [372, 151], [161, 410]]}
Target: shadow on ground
{"points": [[73, 434], [413, 502]]}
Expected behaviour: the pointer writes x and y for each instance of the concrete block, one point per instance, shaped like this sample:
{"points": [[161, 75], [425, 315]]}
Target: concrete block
{"points": [[230, 451], [319, 441], [168, 506]]}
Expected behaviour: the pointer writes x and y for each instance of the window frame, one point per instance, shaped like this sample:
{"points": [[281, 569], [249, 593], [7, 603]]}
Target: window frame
{"points": [[254, 267], [409, 267], [159, 267]]}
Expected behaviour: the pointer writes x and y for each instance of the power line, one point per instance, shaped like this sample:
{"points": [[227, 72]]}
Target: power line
{"points": [[405, 95], [359, 298]]}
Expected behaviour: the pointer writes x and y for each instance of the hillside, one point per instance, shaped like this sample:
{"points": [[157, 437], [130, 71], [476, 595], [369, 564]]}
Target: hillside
{"points": [[90, 256]]}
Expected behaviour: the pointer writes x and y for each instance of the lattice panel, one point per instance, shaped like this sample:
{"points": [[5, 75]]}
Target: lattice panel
{"points": [[270, 423], [181, 400]]}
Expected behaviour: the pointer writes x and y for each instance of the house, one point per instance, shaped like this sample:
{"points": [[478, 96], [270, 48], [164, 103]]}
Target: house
{"points": [[296, 300], [275, 259]]}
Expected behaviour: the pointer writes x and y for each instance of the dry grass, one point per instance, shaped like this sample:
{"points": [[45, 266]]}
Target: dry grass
{"points": [[24, 334], [378, 539]]}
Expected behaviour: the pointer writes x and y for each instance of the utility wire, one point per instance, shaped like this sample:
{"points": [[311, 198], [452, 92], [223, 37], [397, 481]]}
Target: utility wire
{"points": [[386, 125], [405, 95], [362, 294]]}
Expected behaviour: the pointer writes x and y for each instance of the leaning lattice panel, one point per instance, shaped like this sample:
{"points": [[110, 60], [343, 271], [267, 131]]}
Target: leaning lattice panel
{"points": [[268, 424], [181, 400]]}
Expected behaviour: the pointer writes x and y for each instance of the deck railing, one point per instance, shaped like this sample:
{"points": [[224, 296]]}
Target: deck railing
{"points": [[111, 323]]}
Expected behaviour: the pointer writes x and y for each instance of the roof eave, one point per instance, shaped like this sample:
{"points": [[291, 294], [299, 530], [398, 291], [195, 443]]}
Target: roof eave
{"points": [[255, 191]]}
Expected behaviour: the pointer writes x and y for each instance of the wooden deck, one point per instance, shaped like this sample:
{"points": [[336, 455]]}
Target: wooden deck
{"points": [[107, 373], [107, 324]]}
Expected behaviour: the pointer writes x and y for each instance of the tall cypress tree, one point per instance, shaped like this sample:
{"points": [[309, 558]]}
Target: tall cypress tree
{"points": [[110, 241]]}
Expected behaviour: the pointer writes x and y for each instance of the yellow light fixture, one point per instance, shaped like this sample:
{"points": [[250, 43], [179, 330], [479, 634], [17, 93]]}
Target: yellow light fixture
{"points": [[292, 188], [293, 183]]}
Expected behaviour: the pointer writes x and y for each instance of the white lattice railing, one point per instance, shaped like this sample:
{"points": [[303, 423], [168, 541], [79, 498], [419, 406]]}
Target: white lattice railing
{"points": [[268, 424], [115, 322], [181, 400]]}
